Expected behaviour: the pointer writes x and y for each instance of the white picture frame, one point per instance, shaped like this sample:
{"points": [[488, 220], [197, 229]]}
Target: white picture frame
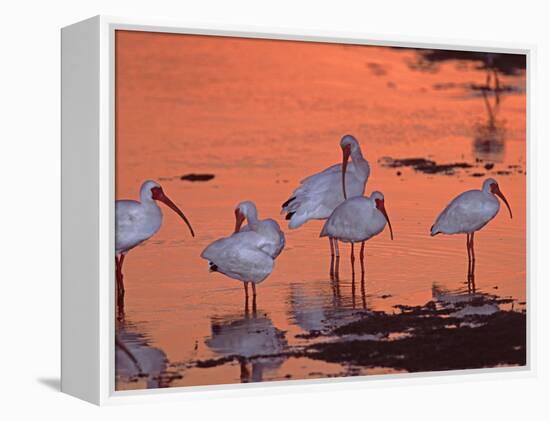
{"points": [[88, 210]]}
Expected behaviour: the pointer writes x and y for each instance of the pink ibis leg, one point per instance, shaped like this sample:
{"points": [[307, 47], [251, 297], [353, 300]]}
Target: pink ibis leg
{"points": [[253, 297], [331, 258], [122, 276], [362, 257], [245, 286], [336, 278], [119, 276], [473, 262], [352, 259], [337, 261], [119, 287], [353, 287], [472, 248], [469, 260]]}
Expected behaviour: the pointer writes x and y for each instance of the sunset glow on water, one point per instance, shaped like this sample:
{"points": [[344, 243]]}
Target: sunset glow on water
{"points": [[261, 115]]}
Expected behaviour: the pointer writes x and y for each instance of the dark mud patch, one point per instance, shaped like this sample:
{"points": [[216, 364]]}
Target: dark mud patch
{"points": [[197, 177], [376, 69], [468, 332], [193, 177], [214, 362], [508, 64], [426, 166], [501, 340], [476, 88], [312, 334], [502, 89]]}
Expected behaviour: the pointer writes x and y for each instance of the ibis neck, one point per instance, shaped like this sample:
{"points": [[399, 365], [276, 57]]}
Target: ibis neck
{"points": [[357, 155], [148, 202], [360, 163], [252, 217]]}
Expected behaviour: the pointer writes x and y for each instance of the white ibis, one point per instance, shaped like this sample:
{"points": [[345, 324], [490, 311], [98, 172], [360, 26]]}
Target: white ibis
{"points": [[469, 212], [319, 194], [136, 222], [248, 254], [357, 220], [267, 228]]}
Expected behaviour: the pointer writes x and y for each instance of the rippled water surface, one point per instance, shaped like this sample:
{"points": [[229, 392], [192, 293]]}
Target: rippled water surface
{"points": [[261, 115]]}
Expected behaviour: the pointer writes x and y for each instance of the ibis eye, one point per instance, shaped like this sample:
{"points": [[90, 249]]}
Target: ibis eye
{"points": [[156, 192]]}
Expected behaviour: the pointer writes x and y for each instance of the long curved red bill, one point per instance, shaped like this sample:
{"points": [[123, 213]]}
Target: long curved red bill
{"points": [[158, 194], [381, 208], [499, 194], [346, 151], [239, 219]]}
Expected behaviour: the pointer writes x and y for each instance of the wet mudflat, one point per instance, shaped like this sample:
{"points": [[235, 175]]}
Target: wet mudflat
{"points": [[428, 339], [451, 332], [247, 122]]}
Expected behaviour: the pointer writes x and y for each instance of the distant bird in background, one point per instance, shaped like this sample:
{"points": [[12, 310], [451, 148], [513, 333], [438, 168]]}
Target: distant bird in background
{"points": [[357, 220], [469, 212], [136, 222], [248, 255], [319, 194]]}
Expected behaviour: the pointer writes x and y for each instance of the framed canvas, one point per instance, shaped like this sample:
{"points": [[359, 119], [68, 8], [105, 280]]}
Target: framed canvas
{"points": [[202, 169]]}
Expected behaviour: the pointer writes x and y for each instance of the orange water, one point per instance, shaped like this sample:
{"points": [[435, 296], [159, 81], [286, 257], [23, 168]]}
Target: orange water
{"points": [[261, 115]]}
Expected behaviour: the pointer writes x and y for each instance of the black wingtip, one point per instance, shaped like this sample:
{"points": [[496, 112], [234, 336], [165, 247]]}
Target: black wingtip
{"points": [[289, 215], [284, 205], [213, 267]]}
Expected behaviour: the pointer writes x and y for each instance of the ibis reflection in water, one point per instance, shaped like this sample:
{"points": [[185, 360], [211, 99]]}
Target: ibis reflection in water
{"points": [[136, 360], [488, 144], [252, 339], [319, 312]]}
